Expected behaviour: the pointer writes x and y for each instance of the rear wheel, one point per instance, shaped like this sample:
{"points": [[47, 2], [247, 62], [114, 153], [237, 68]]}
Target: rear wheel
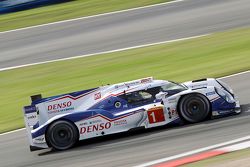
{"points": [[62, 135], [194, 108]]}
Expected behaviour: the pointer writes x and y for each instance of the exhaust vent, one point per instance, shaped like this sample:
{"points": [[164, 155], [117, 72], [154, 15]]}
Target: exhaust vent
{"points": [[199, 80]]}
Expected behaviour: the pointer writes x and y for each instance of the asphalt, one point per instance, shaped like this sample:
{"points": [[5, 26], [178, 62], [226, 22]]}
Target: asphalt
{"points": [[160, 23], [187, 18]]}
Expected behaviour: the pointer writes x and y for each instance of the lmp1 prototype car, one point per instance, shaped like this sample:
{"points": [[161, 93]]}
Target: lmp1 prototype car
{"points": [[60, 121]]}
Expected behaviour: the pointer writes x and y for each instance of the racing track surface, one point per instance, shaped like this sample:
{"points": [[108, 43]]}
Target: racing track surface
{"points": [[182, 19], [165, 22], [129, 149]]}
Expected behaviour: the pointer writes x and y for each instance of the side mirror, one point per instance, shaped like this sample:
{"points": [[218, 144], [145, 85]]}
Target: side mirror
{"points": [[161, 95]]}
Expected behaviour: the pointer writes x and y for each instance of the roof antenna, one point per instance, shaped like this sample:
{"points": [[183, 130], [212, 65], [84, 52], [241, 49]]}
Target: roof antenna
{"points": [[100, 83]]}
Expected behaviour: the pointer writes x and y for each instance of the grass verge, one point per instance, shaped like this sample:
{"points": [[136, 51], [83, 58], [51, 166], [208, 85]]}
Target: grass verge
{"points": [[68, 10], [212, 56], [237, 158]]}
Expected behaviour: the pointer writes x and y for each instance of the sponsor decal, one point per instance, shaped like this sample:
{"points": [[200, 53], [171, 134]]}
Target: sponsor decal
{"points": [[225, 111], [200, 85], [172, 100], [156, 115], [84, 123], [31, 117], [95, 121], [39, 140], [171, 112], [128, 84], [125, 106], [210, 93], [222, 112], [101, 106], [60, 107], [120, 122], [95, 128], [97, 96], [215, 113], [145, 80], [133, 83], [29, 109], [118, 104]]}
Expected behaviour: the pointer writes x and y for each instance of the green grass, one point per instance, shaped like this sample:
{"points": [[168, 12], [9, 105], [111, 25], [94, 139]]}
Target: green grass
{"points": [[69, 10], [212, 56], [222, 159]]}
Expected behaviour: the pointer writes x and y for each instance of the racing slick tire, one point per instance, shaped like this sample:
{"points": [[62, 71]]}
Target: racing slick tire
{"points": [[194, 108], [62, 135]]}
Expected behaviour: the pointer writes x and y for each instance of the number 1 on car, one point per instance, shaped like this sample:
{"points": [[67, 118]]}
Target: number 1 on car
{"points": [[156, 115]]}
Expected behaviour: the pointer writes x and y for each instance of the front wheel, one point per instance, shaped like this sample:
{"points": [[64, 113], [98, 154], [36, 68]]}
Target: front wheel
{"points": [[194, 108], [61, 135]]}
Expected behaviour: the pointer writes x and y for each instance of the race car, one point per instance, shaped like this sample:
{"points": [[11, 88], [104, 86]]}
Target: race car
{"points": [[61, 121]]}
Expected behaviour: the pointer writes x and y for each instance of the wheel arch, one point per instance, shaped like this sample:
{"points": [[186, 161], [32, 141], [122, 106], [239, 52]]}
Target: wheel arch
{"points": [[183, 95], [60, 119]]}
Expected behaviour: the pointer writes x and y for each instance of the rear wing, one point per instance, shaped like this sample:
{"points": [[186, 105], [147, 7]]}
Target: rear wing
{"points": [[30, 116], [30, 113], [30, 119], [31, 122]]}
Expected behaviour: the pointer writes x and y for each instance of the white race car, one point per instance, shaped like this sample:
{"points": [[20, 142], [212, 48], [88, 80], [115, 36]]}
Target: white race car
{"points": [[60, 121]]}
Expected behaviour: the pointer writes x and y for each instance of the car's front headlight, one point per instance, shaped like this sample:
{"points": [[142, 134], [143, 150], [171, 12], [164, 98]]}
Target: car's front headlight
{"points": [[225, 95]]}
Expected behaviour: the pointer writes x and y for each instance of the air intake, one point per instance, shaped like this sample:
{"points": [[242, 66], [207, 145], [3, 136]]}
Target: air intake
{"points": [[199, 80]]}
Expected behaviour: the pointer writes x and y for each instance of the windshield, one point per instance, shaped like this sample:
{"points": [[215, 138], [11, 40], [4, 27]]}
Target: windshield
{"points": [[138, 96], [147, 96], [172, 86]]}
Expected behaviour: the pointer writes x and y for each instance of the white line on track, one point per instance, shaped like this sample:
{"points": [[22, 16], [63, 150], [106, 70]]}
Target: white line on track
{"points": [[194, 152], [233, 75], [11, 131], [236, 147], [98, 15], [105, 52]]}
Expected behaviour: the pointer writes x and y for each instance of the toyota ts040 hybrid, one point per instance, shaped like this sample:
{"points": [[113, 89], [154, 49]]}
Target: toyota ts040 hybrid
{"points": [[60, 121]]}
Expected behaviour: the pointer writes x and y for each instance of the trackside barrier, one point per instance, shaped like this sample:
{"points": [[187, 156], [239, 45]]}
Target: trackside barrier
{"points": [[7, 6]]}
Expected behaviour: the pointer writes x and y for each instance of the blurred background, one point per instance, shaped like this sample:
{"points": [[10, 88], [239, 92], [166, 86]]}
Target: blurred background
{"points": [[54, 47]]}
